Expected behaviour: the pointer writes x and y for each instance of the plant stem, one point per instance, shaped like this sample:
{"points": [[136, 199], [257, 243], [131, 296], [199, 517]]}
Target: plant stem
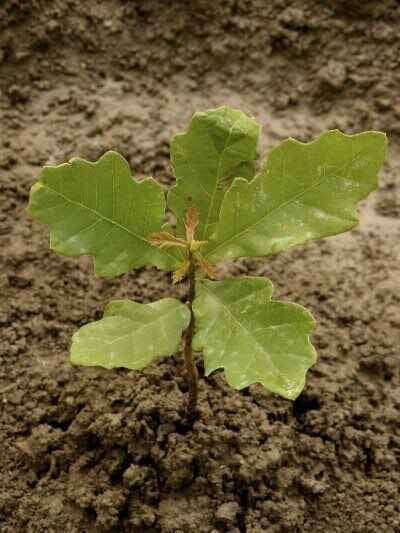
{"points": [[188, 350]]}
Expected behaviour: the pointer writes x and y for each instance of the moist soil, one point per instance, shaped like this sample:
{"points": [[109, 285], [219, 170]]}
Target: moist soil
{"points": [[91, 450]]}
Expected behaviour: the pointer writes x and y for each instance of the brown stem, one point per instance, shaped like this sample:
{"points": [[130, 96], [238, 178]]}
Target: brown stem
{"points": [[188, 350]]}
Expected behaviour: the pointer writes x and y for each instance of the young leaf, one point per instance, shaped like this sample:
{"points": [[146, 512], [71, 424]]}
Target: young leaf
{"points": [[255, 339], [181, 271], [305, 191], [164, 239], [131, 335], [205, 266], [98, 209], [191, 223], [219, 145]]}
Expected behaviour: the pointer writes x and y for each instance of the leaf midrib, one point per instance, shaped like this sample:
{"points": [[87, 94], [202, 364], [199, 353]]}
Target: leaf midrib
{"points": [[103, 217], [143, 326], [212, 197], [245, 329], [291, 200], [255, 224]]}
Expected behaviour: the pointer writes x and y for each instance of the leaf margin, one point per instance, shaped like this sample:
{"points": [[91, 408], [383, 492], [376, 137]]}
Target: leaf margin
{"points": [[117, 313], [200, 343], [241, 186], [49, 172]]}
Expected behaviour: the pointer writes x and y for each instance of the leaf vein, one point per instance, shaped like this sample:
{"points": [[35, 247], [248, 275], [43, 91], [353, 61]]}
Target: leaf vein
{"points": [[248, 332], [211, 204], [111, 221]]}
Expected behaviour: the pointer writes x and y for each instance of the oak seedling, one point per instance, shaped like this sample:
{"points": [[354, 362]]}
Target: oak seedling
{"points": [[224, 209]]}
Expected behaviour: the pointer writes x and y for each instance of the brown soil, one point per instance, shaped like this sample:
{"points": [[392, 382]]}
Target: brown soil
{"points": [[90, 450]]}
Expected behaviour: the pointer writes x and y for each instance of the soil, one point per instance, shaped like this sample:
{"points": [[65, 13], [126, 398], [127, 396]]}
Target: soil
{"points": [[90, 450]]}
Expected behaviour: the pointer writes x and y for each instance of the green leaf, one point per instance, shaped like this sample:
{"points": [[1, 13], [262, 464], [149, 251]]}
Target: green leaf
{"points": [[255, 339], [98, 209], [219, 145], [131, 335], [305, 191]]}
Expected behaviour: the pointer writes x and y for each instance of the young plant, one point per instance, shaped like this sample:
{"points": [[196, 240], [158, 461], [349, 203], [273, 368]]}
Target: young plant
{"points": [[224, 210]]}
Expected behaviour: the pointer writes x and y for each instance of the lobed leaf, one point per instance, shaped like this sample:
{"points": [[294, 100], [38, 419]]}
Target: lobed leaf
{"points": [[219, 145], [131, 335], [304, 191], [98, 209], [253, 338]]}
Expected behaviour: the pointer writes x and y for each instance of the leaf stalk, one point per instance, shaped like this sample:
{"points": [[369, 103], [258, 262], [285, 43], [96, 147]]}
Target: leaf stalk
{"points": [[191, 368]]}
